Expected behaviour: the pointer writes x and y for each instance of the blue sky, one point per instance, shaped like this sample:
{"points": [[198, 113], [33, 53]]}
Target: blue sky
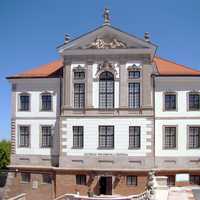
{"points": [[31, 30]]}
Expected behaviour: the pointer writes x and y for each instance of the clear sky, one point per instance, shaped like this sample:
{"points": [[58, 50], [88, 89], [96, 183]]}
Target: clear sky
{"points": [[31, 30]]}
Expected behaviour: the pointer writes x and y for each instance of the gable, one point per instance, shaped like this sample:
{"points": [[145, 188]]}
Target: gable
{"points": [[107, 37]]}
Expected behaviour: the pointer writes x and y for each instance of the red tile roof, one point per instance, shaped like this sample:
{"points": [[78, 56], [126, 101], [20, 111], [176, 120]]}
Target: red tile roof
{"points": [[42, 71], [164, 67], [167, 67]]}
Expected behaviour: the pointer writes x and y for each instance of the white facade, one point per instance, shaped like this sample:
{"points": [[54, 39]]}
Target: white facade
{"points": [[121, 135], [182, 118], [35, 117]]}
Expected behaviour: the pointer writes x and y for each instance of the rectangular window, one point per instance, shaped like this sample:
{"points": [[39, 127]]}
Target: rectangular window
{"points": [[170, 102], [47, 136], [46, 178], [79, 75], [134, 95], [25, 177], [81, 179], [194, 101], [170, 138], [24, 102], [195, 179], [106, 136], [133, 74], [194, 137], [24, 136], [77, 136], [134, 137], [79, 95], [131, 180], [171, 180], [46, 102]]}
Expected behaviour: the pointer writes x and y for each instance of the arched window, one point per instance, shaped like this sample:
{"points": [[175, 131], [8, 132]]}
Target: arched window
{"points": [[106, 90]]}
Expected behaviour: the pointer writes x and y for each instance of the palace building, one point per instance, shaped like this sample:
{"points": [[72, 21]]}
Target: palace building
{"points": [[100, 118]]}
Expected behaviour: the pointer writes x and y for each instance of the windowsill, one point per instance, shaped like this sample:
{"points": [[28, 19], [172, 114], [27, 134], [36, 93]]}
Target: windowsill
{"points": [[105, 148], [193, 110], [46, 147], [46, 110], [134, 148], [24, 110], [77, 147], [131, 185], [174, 110], [24, 147], [190, 148], [175, 149]]}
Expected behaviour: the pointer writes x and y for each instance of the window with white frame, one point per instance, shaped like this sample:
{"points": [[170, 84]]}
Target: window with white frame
{"points": [[106, 136], [194, 101], [194, 137], [134, 74], [24, 102], [131, 180], [24, 136], [79, 95], [46, 102], [134, 95], [134, 137], [170, 101], [106, 90], [78, 137], [47, 137], [170, 137]]}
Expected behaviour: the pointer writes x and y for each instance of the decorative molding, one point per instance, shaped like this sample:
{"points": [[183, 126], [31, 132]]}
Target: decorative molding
{"points": [[106, 66], [100, 43]]}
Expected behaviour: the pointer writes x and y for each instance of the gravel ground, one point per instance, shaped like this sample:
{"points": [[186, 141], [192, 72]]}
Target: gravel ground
{"points": [[196, 193]]}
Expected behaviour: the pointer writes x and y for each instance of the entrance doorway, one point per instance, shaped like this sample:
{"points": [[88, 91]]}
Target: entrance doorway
{"points": [[105, 184]]}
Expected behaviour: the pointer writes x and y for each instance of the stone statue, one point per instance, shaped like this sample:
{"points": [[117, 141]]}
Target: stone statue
{"points": [[106, 16]]}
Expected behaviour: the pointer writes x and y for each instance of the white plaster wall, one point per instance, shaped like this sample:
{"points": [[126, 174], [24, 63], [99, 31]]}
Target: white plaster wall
{"points": [[35, 148], [121, 135], [182, 132], [35, 87], [181, 86], [180, 118]]}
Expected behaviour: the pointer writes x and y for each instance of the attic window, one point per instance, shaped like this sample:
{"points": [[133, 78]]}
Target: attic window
{"points": [[134, 74], [79, 73]]}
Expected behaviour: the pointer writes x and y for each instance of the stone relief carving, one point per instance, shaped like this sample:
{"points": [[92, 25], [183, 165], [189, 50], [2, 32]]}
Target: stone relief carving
{"points": [[100, 43], [106, 66]]}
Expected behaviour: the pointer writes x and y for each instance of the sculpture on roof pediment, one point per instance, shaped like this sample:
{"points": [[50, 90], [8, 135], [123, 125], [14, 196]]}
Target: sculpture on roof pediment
{"points": [[100, 43]]}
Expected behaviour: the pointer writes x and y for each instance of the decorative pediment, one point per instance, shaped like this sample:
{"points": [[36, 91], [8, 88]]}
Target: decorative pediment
{"points": [[106, 66], [79, 68], [100, 43], [106, 37], [134, 67]]}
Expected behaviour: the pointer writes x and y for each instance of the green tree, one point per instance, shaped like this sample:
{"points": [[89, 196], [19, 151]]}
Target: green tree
{"points": [[5, 147]]}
